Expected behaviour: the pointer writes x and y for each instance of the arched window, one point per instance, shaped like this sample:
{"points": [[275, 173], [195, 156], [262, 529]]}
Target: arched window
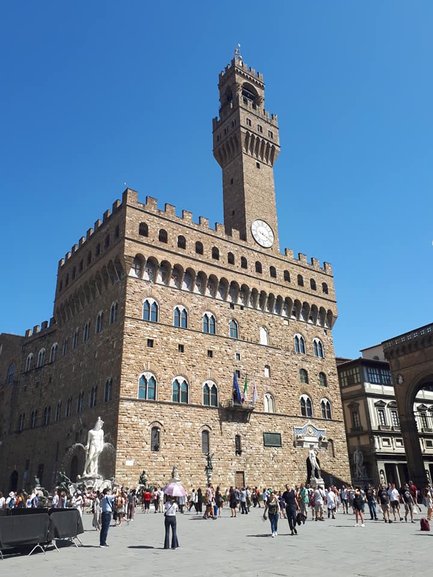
{"points": [[47, 416], [180, 317], [58, 412], [303, 376], [306, 406], [143, 229], [180, 390], [210, 394], [244, 262], [93, 396], [323, 381], [267, 371], [147, 387], [209, 323], [10, 375], [205, 441], [286, 276], [325, 288], [163, 236], [318, 348], [231, 258], [268, 403], [263, 336], [41, 358], [29, 362], [53, 352], [108, 390], [155, 439], [300, 280], [299, 344], [181, 242], [33, 418], [150, 311], [325, 405], [99, 322], [86, 332], [313, 284], [273, 272], [259, 267], [113, 312], [199, 247], [215, 253], [234, 329], [75, 338], [138, 267]]}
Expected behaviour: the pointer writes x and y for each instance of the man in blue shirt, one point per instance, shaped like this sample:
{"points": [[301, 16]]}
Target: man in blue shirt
{"points": [[106, 511]]}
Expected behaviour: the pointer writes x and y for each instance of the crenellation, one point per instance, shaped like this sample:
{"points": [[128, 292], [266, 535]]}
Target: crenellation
{"points": [[97, 224], [288, 252], [116, 205], [327, 268], [74, 248], [82, 241], [89, 233], [220, 228], [315, 263], [203, 221], [36, 329], [302, 258], [170, 210], [44, 325], [151, 204], [106, 215], [187, 216]]}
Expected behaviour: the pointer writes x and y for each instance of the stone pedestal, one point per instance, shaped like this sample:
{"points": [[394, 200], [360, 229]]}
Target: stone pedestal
{"points": [[316, 482]]}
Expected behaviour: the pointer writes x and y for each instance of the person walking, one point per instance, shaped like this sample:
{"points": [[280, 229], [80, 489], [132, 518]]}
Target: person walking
{"points": [[107, 502], [292, 506], [271, 509], [358, 507], [170, 510]]}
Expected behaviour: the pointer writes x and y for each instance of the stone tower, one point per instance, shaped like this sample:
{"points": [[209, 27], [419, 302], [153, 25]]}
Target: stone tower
{"points": [[246, 145]]}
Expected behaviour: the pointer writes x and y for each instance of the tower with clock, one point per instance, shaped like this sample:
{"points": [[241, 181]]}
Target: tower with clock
{"points": [[246, 145]]}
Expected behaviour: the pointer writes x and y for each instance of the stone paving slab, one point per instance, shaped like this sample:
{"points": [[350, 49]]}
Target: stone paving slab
{"points": [[241, 547]]}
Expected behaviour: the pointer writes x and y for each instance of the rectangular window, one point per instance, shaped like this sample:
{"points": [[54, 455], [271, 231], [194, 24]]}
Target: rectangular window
{"points": [[248, 122], [381, 417], [150, 343], [238, 356], [386, 442], [181, 348], [350, 377], [272, 440], [356, 423], [394, 419], [210, 354], [238, 374], [270, 134], [373, 375], [260, 128]]}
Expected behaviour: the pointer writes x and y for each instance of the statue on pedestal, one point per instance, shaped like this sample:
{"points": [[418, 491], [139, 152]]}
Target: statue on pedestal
{"points": [[94, 447], [314, 465]]}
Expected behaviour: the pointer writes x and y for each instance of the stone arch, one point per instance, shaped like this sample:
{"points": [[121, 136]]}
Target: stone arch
{"points": [[165, 272], [200, 282], [176, 276], [223, 287], [234, 292], [212, 285]]}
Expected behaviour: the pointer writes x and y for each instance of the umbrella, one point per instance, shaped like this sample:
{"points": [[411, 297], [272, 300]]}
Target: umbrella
{"points": [[175, 490]]}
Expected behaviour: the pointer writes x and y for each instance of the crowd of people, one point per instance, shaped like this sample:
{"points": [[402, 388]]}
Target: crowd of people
{"points": [[295, 504]]}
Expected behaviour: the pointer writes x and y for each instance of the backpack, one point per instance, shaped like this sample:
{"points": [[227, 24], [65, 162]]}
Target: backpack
{"points": [[425, 525]]}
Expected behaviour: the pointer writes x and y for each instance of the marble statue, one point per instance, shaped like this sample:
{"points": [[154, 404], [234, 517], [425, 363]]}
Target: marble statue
{"points": [[358, 461], [315, 467], [94, 447]]}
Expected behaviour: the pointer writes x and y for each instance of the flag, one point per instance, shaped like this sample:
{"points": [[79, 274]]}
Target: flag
{"points": [[236, 392], [245, 391], [255, 394]]}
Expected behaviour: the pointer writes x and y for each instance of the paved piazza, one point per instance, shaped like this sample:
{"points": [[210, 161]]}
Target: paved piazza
{"points": [[238, 547]]}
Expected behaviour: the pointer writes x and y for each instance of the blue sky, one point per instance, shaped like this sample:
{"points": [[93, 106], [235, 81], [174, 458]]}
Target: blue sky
{"points": [[96, 94]]}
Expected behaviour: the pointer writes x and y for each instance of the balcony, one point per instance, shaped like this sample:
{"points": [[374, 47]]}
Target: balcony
{"points": [[384, 427], [235, 412]]}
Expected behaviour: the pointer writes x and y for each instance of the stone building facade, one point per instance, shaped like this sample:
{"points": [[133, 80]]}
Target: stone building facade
{"points": [[156, 315], [374, 435]]}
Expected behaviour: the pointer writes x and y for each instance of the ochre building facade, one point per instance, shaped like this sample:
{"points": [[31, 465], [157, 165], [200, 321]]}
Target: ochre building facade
{"points": [[154, 315]]}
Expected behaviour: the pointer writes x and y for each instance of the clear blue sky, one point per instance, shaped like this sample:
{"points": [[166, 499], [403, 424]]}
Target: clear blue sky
{"points": [[96, 94]]}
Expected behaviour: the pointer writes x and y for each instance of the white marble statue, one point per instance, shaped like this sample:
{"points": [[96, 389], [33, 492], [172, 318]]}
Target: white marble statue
{"points": [[94, 447], [315, 468], [358, 461]]}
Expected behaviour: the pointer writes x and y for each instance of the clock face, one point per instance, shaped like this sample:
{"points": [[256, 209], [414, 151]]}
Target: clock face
{"points": [[262, 233]]}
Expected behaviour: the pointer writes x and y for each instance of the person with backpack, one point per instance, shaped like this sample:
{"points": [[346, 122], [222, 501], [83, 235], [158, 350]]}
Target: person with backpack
{"points": [[272, 511], [383, 500]]}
